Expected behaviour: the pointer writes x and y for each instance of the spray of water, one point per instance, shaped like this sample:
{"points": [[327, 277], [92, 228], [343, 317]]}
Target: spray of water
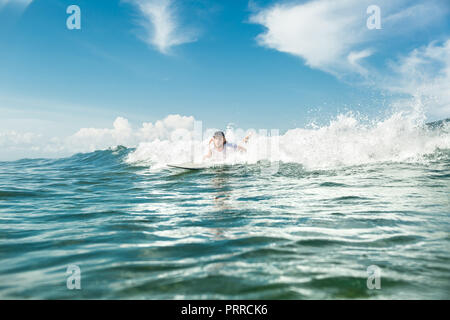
{"points": [[346, 140]]}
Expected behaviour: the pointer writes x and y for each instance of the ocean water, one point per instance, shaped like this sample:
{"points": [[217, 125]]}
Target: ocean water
{"points": [[341, 198]]}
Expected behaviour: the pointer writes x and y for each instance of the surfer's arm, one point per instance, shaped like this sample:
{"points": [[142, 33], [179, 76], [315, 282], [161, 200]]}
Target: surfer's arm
{"points": [[208, 155], [245, 140], [239, 148]]}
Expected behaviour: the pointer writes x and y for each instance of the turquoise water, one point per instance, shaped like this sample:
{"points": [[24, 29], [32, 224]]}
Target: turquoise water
{"points": [[223, 233]]}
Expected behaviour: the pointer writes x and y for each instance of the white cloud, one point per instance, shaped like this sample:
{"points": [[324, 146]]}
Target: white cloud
{"points": [[122, 133], [332, 35], [425, 74], [162, 25], [354, 58], [13, 138], [94, 138], [165, 129], [15, 144], [316, 31]]}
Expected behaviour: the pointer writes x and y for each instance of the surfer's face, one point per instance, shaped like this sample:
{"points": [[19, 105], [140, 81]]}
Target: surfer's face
{"points": [[218, 142]]}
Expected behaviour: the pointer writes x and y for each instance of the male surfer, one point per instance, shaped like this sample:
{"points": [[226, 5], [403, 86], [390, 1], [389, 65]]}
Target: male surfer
{"points": [[221, 146]]}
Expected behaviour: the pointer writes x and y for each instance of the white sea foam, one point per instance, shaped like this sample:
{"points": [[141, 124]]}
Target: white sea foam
{"points": [[344, 141]]}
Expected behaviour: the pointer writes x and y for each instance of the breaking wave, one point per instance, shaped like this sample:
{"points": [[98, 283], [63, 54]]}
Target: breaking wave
{"points": [[345, 141]]}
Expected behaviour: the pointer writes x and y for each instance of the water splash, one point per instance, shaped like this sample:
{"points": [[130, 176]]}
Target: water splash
{"points": [[346, 140]]}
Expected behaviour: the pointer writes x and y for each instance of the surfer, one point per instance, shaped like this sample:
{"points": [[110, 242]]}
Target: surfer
{"points": [[221, 146]]}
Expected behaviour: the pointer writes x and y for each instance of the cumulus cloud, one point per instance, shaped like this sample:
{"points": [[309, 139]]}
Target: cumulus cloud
{"points": [[16, 144], [172, 126], [13, 138], [332, 35], [122, 133], [100, 138], [162, 24]]}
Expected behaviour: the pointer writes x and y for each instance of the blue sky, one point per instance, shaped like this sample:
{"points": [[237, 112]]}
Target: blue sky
{"points": [[258, 64]]}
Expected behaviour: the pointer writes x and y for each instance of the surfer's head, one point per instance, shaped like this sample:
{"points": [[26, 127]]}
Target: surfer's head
{"points": [[219, 139]]}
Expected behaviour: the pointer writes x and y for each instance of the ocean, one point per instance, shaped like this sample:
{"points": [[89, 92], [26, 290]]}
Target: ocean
{"points": [[312, 221]]}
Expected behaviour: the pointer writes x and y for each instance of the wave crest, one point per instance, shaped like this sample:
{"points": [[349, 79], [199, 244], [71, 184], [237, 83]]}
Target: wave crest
{"points": [[344, 141]]}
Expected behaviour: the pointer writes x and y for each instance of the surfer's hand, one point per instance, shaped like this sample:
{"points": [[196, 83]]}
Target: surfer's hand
{"points": [[241, 149], [246, 138]]}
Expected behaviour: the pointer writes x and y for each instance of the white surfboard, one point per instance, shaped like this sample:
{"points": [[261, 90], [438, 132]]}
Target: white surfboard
{"points": [[188, 166]]}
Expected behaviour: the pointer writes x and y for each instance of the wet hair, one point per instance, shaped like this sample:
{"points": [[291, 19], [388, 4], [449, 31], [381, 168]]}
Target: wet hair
{"points": [[220, 134]]}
